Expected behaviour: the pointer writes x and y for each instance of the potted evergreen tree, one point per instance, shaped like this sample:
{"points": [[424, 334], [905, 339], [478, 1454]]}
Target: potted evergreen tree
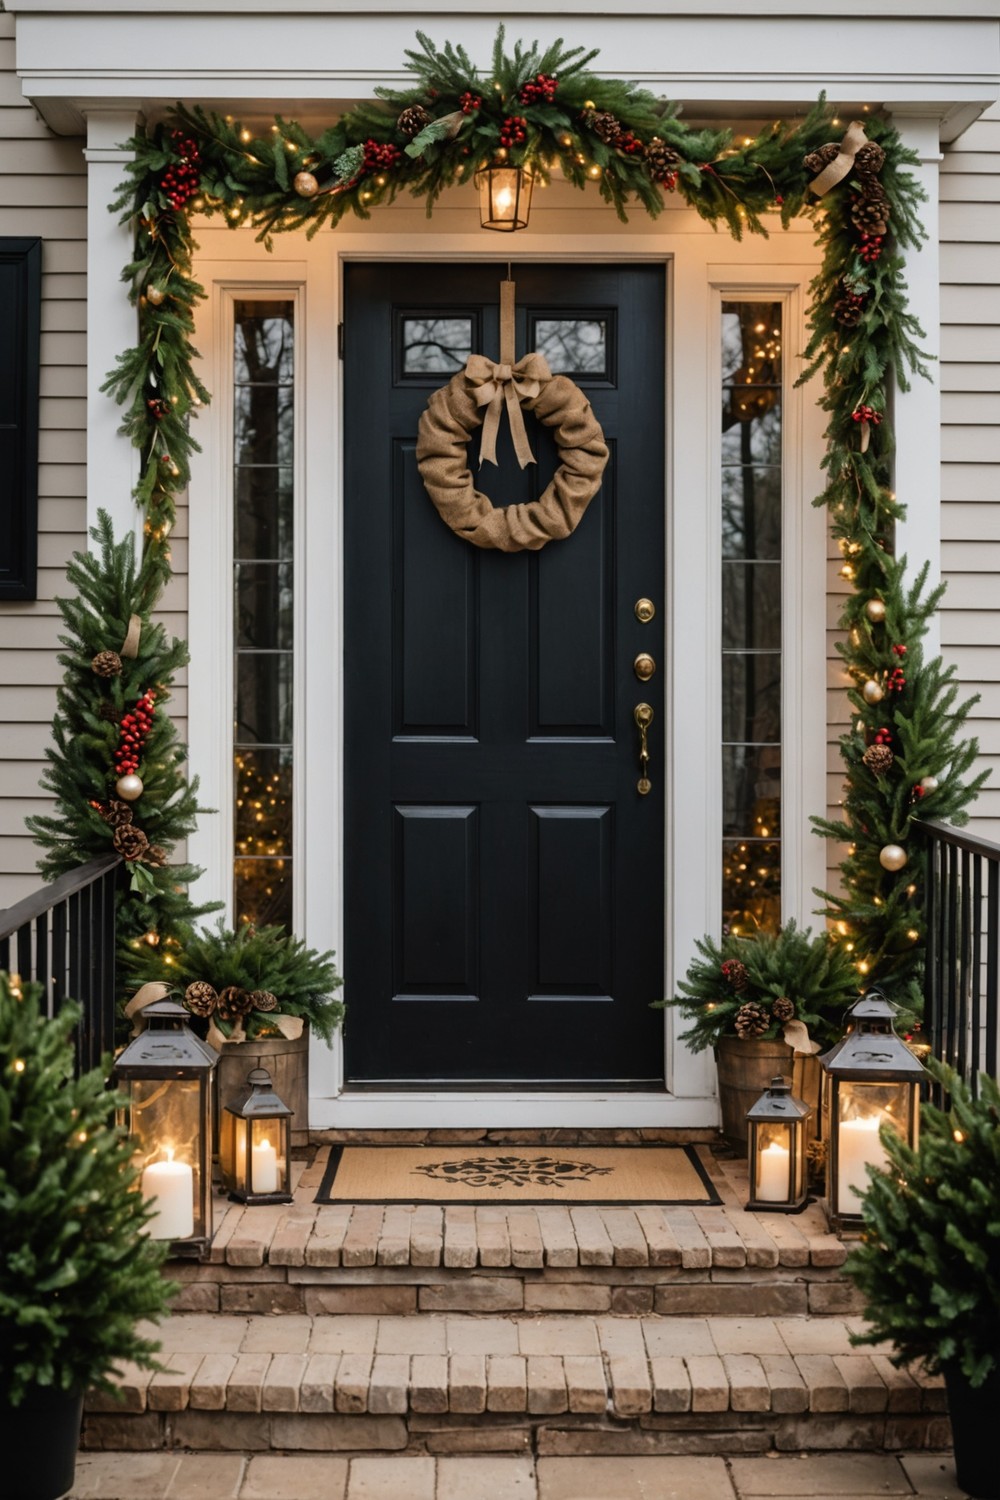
{"points": [[929, 1262], [260, 991], [77, 1272], [766, 1003]]}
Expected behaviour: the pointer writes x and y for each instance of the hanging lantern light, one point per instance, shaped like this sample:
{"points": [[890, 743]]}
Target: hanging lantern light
{"points": [[504, 196], [255, 1140], [167, 1076], [777, 1150], [870, 1079]]}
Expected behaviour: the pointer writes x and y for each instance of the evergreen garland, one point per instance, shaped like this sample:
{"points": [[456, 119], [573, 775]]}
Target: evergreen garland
{"points": [[78, 1272], [929, 1262], [542, 108], [90, 819]]}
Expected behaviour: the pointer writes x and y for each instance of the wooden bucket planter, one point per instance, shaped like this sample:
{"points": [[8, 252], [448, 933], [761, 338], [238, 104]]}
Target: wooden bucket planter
{"points": [[745, 1071], [288, 1064]]}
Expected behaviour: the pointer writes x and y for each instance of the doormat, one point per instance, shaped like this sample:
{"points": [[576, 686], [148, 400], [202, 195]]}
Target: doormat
{"points": [[600, 1175]]}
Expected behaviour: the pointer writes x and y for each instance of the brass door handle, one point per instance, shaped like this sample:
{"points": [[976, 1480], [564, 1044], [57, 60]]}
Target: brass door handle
{"points": [[644, 666], [643, 715]]}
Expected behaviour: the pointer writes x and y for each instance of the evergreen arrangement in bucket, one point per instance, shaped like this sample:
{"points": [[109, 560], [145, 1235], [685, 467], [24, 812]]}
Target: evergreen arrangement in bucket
{"points": [[77, 1273]]}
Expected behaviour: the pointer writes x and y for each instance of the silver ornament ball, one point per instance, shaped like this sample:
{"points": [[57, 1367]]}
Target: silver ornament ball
{"points": [[155, 294], [892, 857], [306, 185], [929, 783], [875, 610], [128, 787], [872, 691]]}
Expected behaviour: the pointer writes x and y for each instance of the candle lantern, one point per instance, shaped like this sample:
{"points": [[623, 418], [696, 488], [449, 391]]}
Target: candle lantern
{"points": [[870, 1079], [777, 1149], [504, 197], [255, 1141], [167, 1076]]}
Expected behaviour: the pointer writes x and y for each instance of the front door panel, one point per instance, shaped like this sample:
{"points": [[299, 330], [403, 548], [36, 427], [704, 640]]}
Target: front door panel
{"points": [[504, 878]]}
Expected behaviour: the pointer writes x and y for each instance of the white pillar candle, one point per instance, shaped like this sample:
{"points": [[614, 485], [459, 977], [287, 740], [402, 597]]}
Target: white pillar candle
{"points": [[264, 1166], [857, 1144], [772, 1184], [171, 1183]]}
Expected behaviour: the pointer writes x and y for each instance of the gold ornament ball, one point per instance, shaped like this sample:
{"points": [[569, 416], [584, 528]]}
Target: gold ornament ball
{"points": [[155, 294], [892, 857], [872, 691], [306, 185], [929, 783], [589, 104], [128, 788], [875, 610]]}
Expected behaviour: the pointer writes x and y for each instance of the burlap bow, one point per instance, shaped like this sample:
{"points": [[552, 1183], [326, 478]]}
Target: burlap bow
{"points": [[289, 1026], [501, 383], [836, 170]]}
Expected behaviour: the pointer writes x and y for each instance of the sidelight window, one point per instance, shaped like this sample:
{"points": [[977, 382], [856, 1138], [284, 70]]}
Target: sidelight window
{"points": [[751, 451], [263, 643]]}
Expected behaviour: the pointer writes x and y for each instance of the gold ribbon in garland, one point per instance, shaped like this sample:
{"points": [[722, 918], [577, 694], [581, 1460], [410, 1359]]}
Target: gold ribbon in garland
{"points": [[836, 170], [289, 1026], [143, 997], [130, 645], [504, 383]]}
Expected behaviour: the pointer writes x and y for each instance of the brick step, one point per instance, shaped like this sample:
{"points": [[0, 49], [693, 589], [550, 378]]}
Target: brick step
{"points": [[405, 1258], [548, 1384]]}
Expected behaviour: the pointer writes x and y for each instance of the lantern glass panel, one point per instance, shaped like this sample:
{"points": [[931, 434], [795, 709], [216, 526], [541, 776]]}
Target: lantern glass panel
{"points": [[165, 1124], [863, 1107], [775, 1179], [504, 197]]}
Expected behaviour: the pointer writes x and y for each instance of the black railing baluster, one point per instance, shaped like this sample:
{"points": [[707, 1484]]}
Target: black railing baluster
{"points": [[962, 978], [64, 937]]}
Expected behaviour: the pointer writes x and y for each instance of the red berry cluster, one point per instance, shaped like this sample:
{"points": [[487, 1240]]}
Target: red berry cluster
{"points": [[158, 407], [629, 144], [513, 131], [470, 102], [917, 792], [134, 729], [895, 682], [870, 248], [866, 414], [182, 178], [379, 158], [899, 650], [539, 90], [667, 180], [883, 736]]}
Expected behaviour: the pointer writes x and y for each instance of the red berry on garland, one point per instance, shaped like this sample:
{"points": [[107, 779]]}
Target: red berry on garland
{"points": [[734, 972], [470, 102], [899, 650], [778, 200]]}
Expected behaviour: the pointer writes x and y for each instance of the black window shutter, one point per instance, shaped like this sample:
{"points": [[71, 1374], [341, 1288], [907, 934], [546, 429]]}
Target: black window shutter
{"points": [[20, 334]]}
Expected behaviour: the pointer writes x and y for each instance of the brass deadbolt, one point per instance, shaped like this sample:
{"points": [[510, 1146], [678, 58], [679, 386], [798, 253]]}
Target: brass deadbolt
{"points": [[645, 609], [644, 666]]}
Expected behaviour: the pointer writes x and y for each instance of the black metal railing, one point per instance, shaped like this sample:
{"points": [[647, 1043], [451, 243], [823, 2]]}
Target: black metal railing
{"points": [[63, 936], [962, 983]]}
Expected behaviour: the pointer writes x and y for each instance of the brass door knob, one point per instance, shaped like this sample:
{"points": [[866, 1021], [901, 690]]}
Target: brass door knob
{"points": [[644, 666]]}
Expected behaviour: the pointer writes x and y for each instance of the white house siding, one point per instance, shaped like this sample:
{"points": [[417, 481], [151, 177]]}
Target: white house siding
{"points": [[42, 192], [970, 474]]}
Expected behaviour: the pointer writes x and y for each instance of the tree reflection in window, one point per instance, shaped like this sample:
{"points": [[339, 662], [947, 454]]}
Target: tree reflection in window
{"points": [[435, 346], [573, 346]]}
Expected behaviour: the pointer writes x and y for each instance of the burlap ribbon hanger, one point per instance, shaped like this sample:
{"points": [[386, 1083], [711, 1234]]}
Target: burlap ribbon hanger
{"points": [[476, 396], [836, 170]]}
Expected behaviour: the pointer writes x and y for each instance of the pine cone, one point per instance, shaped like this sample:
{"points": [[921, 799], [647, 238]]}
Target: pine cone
{"points": [[848, 309], [117, 814], [108, 713], [156, 855], [661, 159], [870, 214], [878, 759], [751, 1021], [234, 1003], [130, 842], [200, 997], [263, 1000], [606, 126], [817, 160], [412, 121], [735, 974], [107, 664], [783, 1009], [869, 160]]}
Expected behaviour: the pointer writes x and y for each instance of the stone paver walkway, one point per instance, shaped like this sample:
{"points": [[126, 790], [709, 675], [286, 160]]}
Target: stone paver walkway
{"points": [[236, 1476]]}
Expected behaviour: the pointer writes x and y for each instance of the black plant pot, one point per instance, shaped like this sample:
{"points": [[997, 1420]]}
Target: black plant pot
{"points": [[38, 1443], [974, 1412]]}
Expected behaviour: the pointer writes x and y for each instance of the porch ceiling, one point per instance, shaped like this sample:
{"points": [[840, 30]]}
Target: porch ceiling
{"points": [[315, 59]]}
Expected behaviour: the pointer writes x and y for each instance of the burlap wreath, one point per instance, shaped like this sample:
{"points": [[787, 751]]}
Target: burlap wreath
{"points": [[452, 415]]}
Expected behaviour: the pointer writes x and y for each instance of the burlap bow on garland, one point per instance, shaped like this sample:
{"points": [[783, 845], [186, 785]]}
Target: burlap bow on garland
{"points": [[476, 396]]}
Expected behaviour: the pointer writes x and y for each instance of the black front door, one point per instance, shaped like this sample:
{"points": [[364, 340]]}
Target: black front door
{"points": [[503, 877]]}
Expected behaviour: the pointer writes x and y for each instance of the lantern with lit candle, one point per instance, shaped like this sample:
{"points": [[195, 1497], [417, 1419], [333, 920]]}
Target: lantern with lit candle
{"points": [[167, 1075], [255, 1141], [777, 1150], [870, 1078], [504, 196]]}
